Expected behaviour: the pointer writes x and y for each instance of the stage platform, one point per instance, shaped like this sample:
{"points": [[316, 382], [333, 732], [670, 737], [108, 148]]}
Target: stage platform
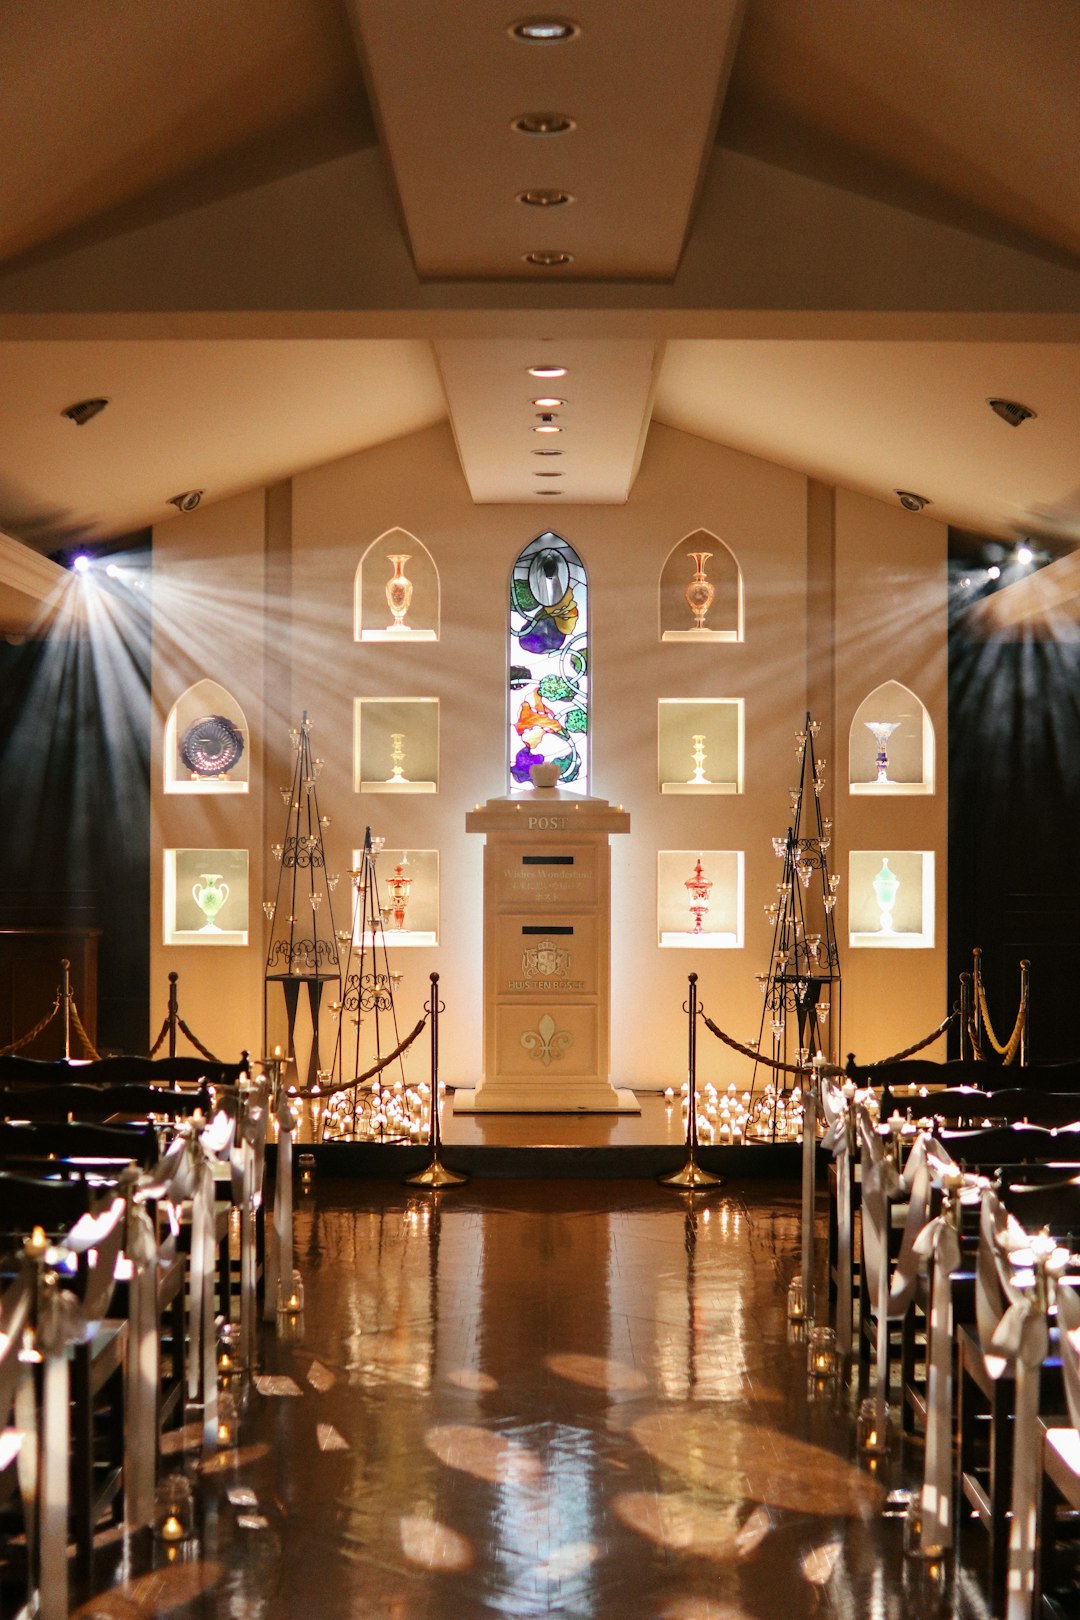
{"points": [[555, 1145]]}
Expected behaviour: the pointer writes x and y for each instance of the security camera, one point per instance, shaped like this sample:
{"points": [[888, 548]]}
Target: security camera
{"points": [[188, 501], [909, 501]]}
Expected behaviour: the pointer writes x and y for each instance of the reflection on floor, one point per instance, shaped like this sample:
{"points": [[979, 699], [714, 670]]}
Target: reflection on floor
{"points": [[546, 1398]]}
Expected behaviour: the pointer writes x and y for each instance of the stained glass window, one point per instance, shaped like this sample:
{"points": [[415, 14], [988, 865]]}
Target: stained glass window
{"points": [[549, 663]]}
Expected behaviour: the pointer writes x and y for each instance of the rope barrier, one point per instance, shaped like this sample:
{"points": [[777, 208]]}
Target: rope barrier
{"points": [[197, 1044], [1009, 1049], [751, 1052], [376, 1068], [928, 1040], [804, 1068], [24, 1040], [156, 1048], [88, 1046]]}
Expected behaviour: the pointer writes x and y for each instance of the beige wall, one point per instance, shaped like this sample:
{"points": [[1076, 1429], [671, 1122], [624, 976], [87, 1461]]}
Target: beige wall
{"points": [[765, 514]]}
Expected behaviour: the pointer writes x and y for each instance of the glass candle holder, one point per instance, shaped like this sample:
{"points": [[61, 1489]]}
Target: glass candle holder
{"points": [[227, 1419], [174, 1510], [291, 1295], [822, 1357], [227, 1349], [306, 1162], [872, 1428], [796, 1300]]}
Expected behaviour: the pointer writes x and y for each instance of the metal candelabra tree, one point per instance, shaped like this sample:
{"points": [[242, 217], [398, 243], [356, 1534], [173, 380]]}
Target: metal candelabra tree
{"points": [[303, 947], [803, 980], [368, 988]]}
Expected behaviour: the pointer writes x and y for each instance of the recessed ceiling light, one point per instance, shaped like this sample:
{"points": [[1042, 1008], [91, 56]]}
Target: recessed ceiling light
{"points": [[547, 371], [543, 123], [910, 501], [544, 30], [547, 492], [188, 500], [544, 197], [548, 258], [84, 411], [546, 452], [1011, 411], [539, 473], [547, 427], [549, 401]]}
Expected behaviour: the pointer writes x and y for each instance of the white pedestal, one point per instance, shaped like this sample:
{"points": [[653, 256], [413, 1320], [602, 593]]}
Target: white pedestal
{"points": [[547, 976]]}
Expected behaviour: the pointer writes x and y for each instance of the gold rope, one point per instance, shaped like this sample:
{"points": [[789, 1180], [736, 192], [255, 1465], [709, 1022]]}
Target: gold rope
{"points": [[88, 1045], [804, 1069], [376, 1068], [5, 1051], [1009, 1049]]}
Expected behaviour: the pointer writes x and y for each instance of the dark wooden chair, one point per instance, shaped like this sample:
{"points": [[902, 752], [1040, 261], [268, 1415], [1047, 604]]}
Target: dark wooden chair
{"points": [[100, 1103], [985, 1404], [97, 1362]]}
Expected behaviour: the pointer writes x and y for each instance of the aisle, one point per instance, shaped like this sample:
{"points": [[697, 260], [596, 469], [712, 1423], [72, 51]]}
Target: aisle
{"points": [[547, 1398]]}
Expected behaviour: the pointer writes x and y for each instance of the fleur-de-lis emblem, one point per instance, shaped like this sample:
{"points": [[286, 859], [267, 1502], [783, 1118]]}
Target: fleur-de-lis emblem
{"points": [[545, 1041]]}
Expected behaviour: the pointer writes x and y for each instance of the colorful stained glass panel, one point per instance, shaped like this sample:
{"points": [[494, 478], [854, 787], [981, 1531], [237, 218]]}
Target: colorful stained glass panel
{"points": [[549, 663]]}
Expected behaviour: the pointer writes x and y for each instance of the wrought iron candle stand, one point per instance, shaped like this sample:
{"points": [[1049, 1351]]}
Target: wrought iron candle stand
{"points": [[805, 959], [303, 947], [435, 1173], [367, 991], [692, 1176]]}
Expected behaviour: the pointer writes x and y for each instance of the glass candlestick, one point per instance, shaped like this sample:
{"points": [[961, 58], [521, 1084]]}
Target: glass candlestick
{"points": [[397, 757], [697, 887], [699, 779]]}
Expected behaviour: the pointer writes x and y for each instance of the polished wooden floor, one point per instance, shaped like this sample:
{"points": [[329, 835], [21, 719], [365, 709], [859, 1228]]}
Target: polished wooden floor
{"points": [[526, 1399]]}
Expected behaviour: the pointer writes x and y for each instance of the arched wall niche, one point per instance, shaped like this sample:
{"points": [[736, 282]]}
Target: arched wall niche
{"points": [[189, 753], [548, 664], [902, 762], [373, 617], [723, 616]]}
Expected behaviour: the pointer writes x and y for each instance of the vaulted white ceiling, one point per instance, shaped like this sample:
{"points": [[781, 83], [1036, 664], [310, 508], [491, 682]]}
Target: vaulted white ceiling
{"points": [[275, 235]]}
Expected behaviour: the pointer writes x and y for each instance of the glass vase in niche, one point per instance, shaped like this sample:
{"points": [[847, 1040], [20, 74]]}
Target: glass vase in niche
{"points": [[886, 885], [882, 730], [399, 592], [701, 591], [210, 894]]}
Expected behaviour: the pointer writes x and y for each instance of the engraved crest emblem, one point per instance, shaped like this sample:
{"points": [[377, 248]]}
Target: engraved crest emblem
{"points": [[545, 960]]}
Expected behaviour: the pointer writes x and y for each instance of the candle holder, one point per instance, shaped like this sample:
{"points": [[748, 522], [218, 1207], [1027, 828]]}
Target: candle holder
{"points": [[822, 1356], [228, 1351], [291, 1295], [796, 1300], [174, 1510], [228, 1419], [872, 1428], [307, 1171]]}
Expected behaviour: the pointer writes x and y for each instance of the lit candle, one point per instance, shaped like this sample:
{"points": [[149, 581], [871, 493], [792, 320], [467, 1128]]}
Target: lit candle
{"points": [[172, 1530]]}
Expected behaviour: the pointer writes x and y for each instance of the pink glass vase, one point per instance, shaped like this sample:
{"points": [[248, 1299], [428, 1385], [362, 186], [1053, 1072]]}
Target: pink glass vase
{"points": [[700, 591], [398, 591]]}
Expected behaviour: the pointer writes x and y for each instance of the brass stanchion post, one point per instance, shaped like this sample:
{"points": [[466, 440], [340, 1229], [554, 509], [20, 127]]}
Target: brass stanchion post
{"points": [[692, 1175], [435, 1174], [1025, 1013], [977, 989], [66, 969]]}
